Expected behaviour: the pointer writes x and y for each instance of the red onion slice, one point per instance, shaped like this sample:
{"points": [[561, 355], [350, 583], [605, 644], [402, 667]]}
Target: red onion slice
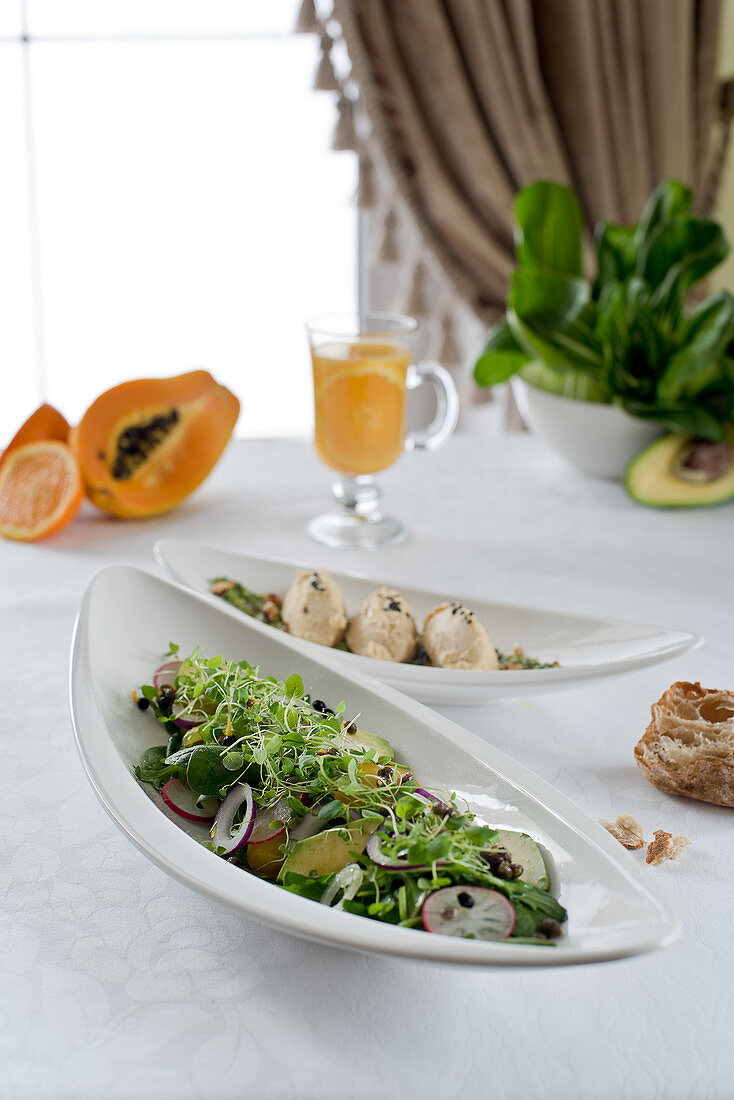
{"points": [[271, 822], [221, 832], [439, 806], [306, 826], [348, 881], [187, 721], [376, 854], [182, 801], [166, 674]]}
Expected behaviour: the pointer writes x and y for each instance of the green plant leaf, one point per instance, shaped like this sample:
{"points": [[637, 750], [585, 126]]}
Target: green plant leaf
{"points": [[549, 228], [678, 255], [501, 357], [553, 318], [565, 383], [671, 199], [678, 418], [696, 365], [616, 252]]}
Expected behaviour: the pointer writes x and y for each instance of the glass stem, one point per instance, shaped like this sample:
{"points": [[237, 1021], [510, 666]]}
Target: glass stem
{"points": [[358, 497]]}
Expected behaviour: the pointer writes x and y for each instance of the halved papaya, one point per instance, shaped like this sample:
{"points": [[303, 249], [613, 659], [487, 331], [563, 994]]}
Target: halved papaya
{"points": [[45, 423], [145, 445]]}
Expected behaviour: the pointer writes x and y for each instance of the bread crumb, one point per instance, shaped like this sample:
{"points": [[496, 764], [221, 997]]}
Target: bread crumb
{"points": [[664, 846], [626, 830]]}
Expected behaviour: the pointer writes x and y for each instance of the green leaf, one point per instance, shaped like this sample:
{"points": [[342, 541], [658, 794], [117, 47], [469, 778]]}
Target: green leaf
{"points": [[552, 317], [565, 383], [693, 419], [407, 807], [293, 687], [233, 761], [708, 332], [616, 252], [331, 810], [439, 847], [677, 256], [549, 228], [501, 357], [153, 768], [671, 199], [481, 835], [206, 772], [307, 887]]}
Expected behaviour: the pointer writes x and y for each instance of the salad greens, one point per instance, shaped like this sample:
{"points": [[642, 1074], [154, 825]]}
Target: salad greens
{"points": [[627, 337], [305, 763], [264, 608]]}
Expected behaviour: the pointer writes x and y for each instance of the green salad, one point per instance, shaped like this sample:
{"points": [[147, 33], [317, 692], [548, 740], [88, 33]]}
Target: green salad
{"points": [[297, 793]]}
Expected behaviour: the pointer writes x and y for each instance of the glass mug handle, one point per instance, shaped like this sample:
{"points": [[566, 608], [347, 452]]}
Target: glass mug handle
{"points": [[447, 406]]}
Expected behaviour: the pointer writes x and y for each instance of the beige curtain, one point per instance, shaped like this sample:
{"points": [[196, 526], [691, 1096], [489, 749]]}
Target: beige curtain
{"points": [[469, 100]]}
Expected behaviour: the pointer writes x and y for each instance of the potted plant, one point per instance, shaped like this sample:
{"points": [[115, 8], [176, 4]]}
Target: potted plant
{"points": [[608, 364]]}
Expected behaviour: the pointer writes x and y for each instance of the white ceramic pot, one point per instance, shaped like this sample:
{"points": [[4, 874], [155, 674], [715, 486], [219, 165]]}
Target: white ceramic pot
{"points": [[596, 438]]}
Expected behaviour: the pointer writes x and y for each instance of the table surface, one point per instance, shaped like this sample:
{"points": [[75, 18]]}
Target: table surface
{"points": [[117, 981]]}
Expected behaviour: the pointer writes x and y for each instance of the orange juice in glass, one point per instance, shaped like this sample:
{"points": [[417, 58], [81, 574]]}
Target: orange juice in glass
{"points": [[359, 396], [361, 372]]}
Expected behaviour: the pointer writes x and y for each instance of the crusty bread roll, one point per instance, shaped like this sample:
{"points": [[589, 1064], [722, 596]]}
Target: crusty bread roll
{"points": [[688, 748]]}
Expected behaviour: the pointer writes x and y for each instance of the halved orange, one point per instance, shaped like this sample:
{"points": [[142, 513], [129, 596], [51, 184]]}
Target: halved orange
{"points": [[45, 423], [41, 489]]}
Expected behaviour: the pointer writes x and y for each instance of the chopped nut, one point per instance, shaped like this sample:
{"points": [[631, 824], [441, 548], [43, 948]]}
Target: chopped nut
{"points": [[626, 830], [220, 587], [273, 597], [665, 846], [270, 610]]}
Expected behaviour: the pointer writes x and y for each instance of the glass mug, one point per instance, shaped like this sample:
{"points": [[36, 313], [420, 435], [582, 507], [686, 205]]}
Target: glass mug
{"points": [[361, 374]]}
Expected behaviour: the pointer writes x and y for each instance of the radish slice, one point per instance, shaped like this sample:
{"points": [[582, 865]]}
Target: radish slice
{"points": [[271, 822], [376, 854], [166, 674], [221, 832], [348, 880], [474, 912], [183, 801]]}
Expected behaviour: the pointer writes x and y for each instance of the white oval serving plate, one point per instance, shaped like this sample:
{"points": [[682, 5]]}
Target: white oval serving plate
{"points": [[125, 623], [586, 648]]}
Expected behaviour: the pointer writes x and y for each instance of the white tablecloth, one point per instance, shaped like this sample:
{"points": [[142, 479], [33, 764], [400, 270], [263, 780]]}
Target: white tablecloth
{"points": [[117, 982]]}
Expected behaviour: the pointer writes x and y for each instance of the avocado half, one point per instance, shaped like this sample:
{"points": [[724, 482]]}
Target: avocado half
{"points": [[683, 471]]}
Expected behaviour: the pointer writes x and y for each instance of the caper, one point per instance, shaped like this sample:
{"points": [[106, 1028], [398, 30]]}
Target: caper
{"points": [[166, 697]]}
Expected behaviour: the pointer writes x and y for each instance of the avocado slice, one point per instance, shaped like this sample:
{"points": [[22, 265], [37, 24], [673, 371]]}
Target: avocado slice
{"points": [[525, 851], [362, 739], [683, 471], [331, 850]]}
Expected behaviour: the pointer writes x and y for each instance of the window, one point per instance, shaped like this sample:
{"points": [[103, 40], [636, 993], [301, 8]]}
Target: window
{"points": [[169, 199]]}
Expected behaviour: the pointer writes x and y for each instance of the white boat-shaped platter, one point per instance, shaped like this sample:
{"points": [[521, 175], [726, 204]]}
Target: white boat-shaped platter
{"points": [[125, 623], [586, 648]]}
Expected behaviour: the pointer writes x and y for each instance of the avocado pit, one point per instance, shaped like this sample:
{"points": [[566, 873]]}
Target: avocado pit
{"points": [[701, 460]]}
